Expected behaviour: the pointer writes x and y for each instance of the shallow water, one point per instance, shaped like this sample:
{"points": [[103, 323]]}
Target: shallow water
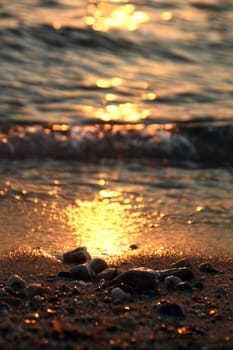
{"points": [[57, 206], [116, 126]]}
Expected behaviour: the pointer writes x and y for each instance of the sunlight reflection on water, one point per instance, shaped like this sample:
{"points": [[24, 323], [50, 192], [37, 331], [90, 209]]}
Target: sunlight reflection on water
{"points": [[103, 224]]}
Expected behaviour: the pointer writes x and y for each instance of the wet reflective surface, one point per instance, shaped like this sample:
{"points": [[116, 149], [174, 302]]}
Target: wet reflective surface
{"points": [[59, 206]]}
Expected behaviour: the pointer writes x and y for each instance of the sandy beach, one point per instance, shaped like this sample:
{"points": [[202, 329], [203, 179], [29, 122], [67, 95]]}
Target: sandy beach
{"points": [[64, 314]]}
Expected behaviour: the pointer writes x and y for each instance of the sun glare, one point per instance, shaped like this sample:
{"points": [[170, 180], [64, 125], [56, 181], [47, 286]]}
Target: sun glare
{"points": [[102, 224], [105, 15]]}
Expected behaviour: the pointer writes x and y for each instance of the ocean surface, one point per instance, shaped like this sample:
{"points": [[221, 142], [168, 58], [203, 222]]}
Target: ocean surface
{"points": [[116, 126]]}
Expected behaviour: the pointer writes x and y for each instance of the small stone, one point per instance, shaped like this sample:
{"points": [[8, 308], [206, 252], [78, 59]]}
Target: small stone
{"points": [[133, 246], [77, 256], [118, 293], [64, 275], [185, 273], [16, 282], [208, 268], [182, 263], [81, 272], [199, 285], [98, 265], [185, 287], [171, 310], [171, 282], [107, 274], [140, 279], [34, 289], [51, 278]]}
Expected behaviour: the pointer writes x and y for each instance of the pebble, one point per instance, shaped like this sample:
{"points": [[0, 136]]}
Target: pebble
{"points": [[98, 265], [118, 293], [16, 282], [64, 275], [185, 287], [171, 282], [77, 256], [182, 263], [82, 272], [208, 268], [185, 273], [34, 289], [133, 246], [140, 279], [171, 309], [107, 274]]}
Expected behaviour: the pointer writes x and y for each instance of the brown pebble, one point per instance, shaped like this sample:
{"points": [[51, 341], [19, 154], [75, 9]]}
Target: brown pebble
{"points": [[171, 310], [107, 274], [208, 268], [98, 265], [82, 273], [77, 256]]}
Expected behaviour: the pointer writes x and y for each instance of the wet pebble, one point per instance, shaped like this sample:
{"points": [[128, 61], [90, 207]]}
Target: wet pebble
{"points": [[77, 256], [171, 310], [16, 282], [182, 263], [34, 289], [171, 282], [98, 265], [185, 273], [118, 293], [65, 275], [82, 272], [140, 279], [208, 268], [185, 287], [107, 274]]}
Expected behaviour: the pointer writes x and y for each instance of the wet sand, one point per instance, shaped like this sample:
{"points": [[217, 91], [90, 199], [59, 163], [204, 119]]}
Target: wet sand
{"points": [[69, 315]]}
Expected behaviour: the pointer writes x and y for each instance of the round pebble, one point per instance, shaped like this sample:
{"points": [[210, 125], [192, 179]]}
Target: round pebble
{"points": [[171, 310], [16, 282], [185, 287], [171, 282], [118, 293]]}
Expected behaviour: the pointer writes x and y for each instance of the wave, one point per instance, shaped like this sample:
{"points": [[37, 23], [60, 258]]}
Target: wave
{"points": [[193, 143]]}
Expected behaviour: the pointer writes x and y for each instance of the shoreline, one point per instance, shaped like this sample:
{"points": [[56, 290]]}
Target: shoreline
{"points": [[74, 315]]}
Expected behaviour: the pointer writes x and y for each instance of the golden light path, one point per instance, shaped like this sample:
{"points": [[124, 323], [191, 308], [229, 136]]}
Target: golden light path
{"points": [[116, 14], [103, 224]]}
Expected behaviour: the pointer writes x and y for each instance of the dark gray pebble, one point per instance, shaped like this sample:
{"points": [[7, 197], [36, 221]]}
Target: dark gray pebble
{"points": [[185, 273], [98, 265], [171, 310], [208, 268], [82, 273], [171, 282], [107, 274], [16, 282], [77, 256], [139, 279], [185, 287], [64, 275]]}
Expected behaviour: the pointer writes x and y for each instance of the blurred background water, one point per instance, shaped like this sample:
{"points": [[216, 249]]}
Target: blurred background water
{"points": [[116, 125]]}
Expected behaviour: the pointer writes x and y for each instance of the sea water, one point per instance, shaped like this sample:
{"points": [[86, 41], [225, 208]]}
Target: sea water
{"points": [[116, 126]]}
